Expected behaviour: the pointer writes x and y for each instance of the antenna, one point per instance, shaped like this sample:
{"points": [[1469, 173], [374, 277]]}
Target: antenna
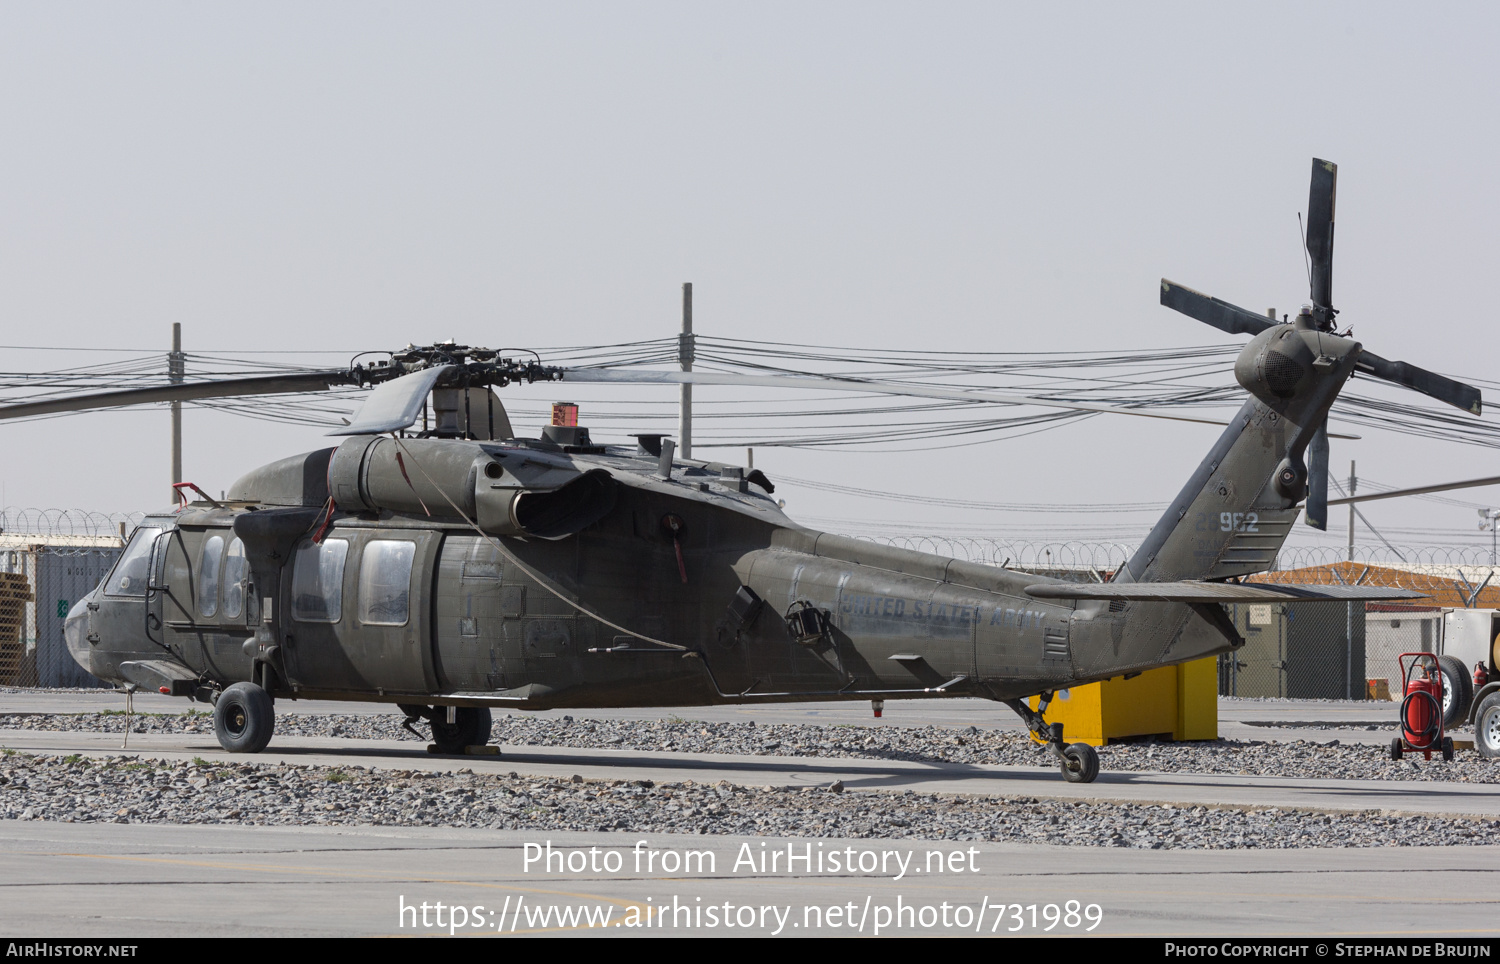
{"points": [[1306, 259]]}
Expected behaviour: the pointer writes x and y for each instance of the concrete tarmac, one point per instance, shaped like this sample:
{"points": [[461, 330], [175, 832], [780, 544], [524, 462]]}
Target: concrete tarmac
{"points": [[1126, 786], [119, 881], [1320, 720]]}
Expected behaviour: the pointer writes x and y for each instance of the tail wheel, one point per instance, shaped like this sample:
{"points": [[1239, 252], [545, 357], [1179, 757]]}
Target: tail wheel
{"points": [[1080, 763]]}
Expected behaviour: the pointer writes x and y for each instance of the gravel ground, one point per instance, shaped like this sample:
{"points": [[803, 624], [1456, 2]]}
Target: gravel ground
{"points": [[1280, 758], [132, 790]]}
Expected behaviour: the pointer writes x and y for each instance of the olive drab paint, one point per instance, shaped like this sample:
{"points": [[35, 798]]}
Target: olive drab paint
{"points": [[457, 568]]}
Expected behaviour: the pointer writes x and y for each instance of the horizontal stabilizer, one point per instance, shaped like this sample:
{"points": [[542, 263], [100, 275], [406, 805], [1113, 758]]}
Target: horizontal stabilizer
{"points": [[1219, 592]]}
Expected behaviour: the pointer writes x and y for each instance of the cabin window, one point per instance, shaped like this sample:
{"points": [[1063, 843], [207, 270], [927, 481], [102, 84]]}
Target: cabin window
{"points": [[318, 581], [132, 571], [209, 559], [236, 576], [385, 582]]}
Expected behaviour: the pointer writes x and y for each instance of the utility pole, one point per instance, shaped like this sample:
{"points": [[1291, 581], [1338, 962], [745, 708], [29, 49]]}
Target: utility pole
{"points": [[685, 357], [1352, 482], [1489, 517], [1349, 606], [176, 368]]}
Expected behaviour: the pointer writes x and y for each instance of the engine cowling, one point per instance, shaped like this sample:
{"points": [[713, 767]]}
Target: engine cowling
{"points": [[506, 491]]}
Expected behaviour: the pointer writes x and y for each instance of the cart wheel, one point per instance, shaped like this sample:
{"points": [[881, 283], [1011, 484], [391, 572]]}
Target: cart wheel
{"points": [[1448, 749], [1396, 748]]}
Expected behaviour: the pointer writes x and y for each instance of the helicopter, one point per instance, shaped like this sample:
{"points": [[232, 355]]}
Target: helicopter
{"points": [[457, 568]]}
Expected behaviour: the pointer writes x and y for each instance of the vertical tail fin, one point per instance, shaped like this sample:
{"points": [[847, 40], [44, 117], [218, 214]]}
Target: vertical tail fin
{"points": [[1237, 509], [1235, 512]]}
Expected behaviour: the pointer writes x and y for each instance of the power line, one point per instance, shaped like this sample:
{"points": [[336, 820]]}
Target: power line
{"points": [[1184, 379]]}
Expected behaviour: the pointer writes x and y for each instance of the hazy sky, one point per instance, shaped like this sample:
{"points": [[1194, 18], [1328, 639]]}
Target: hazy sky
{"points": [[977, 176]]}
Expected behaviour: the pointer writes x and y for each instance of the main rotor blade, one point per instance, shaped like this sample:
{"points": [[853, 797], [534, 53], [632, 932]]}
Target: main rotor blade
{"points": [[187, 391], [1420, 490], [1316, 512], [1443, 389], [629, 376], [1211, 311], [1321, 197]]}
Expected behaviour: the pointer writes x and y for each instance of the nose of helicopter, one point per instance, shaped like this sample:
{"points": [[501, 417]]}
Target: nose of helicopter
{"points": [[76, 632]]}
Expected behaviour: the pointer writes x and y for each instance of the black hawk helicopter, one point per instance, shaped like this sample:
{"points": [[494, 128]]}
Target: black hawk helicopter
{"points": [[459, 568]]}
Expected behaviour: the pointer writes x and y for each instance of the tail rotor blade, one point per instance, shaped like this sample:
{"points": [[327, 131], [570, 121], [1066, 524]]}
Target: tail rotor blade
{"points": [[1211, 311], [1321, 197], [1443, 389], [1316, 514]]}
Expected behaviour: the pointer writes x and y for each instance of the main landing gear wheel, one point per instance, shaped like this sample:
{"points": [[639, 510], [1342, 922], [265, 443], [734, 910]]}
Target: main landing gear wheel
{"points": [[1080, 763], [244, 718], [470, 727]]}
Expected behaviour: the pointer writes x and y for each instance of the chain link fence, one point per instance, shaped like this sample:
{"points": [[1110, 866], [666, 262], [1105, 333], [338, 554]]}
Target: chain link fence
{"points": [[1299, 650], [50, 559]]}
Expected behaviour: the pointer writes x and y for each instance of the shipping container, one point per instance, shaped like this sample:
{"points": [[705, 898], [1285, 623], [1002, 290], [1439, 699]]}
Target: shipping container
{"points": [[39, 583]]}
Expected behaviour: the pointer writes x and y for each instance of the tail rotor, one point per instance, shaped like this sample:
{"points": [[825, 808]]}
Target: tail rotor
{"points": [[1319, 317]]}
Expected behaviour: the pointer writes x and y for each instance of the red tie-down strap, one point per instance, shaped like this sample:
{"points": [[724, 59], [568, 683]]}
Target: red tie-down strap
{"points": [[673, 524]]}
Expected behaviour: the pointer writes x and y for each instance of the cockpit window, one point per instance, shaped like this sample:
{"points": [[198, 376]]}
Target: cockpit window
{"points": [[208, 575], [134, 568], [318, 581], [236, 575]]}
